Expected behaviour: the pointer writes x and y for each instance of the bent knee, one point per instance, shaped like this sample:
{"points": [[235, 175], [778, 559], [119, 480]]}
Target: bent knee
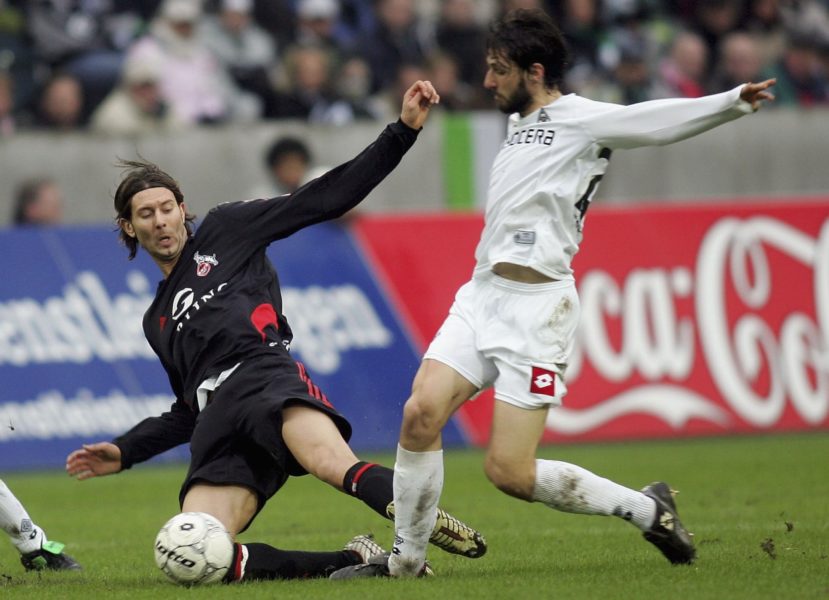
{"points": [[423, 417], [513, 478]]}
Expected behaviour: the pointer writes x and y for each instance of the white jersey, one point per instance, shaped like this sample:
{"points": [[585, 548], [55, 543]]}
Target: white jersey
{"points": [[552, 160]]}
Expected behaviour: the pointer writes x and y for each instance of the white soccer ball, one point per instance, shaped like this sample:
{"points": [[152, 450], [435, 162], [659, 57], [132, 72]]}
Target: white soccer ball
{"points": [[194, 548]]}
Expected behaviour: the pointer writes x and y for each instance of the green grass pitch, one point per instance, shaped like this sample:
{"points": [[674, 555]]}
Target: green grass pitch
{"points": [[759, 507]]}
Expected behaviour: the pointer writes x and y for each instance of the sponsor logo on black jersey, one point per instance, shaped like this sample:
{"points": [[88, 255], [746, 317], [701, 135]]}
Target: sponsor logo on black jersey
{"points": [[531, 135], [204, 263], [186, 304]]}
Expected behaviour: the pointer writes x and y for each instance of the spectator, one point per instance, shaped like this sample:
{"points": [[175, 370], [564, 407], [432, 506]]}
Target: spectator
{"points": [[193, 82], [353, 84], [459, 35], [17, 59], [580, 24], [61, 103], [136, 106], [245, 50], [38, 202], [84, 39], [682, 74], [308, 92], [8, 123], [317, 24], [455, 95], [407, 73], [395, 39], [630, 75], [713, 20], [741, 60], [278, 18], [287, 161], [801, 79], [764, 22]]}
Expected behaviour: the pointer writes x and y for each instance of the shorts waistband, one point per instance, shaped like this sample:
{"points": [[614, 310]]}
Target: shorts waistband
{"points": [[529, 288]]}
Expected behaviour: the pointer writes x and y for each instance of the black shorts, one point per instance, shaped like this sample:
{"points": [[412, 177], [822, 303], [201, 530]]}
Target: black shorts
{"points": [[238, 436]]}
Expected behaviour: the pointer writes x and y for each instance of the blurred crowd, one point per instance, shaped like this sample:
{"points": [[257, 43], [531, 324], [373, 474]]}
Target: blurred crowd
{"points": [[125, 67]]}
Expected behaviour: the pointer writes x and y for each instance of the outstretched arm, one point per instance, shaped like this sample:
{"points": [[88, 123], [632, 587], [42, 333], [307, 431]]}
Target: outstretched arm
{"points": [[340, 189], [150, 437], [660, 122]]}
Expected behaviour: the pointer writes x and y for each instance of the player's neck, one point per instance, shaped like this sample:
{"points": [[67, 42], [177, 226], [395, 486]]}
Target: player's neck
{"points": [[541, 98]]}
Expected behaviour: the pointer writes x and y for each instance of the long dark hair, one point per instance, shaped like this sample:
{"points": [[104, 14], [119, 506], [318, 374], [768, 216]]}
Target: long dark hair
{"points": [[530, 36], [140, 175]]}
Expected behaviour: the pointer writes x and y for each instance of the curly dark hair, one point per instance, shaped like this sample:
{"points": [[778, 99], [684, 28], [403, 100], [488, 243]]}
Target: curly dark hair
{"points": [[140, 175], [530, 36]]}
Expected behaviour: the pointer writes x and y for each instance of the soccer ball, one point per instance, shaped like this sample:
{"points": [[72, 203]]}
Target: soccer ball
{"points": [[193, 548]]}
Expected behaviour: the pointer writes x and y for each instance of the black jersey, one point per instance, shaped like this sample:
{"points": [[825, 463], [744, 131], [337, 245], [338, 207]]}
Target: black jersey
{"points": [[221, 304]]}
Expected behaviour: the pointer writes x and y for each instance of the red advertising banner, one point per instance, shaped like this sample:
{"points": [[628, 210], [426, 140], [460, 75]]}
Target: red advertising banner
{"points": [[696, 320]]}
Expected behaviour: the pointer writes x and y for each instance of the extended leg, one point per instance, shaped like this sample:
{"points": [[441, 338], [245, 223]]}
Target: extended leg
{"points": [[235, 506], [36, 552], [318, 446], [438, 391]]}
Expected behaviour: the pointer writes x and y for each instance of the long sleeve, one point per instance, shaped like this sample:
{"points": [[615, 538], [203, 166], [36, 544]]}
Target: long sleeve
{"points": [[660, 122], [327, 197], [155, 435]]}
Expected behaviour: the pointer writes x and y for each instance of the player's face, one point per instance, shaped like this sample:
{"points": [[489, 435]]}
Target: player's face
{"points": [[508, 83], [157, 223]]}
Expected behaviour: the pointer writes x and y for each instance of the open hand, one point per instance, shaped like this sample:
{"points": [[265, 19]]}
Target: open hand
{"points": [[755, 93], [94, 460], [417, 101]]}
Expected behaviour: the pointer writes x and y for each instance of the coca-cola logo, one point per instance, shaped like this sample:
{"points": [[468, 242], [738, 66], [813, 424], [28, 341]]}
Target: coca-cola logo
{"points": [[744, 349]]}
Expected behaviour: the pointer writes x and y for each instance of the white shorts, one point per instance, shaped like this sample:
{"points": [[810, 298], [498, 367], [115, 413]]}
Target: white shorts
{"points": [[517, 337]]}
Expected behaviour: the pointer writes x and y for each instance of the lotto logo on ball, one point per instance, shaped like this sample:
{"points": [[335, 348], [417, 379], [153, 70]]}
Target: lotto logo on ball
{"points": [[543, 382], [194, 549]]}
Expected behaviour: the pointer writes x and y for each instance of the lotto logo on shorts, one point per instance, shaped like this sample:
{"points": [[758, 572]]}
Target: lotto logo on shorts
{"points": [[543, 382]]}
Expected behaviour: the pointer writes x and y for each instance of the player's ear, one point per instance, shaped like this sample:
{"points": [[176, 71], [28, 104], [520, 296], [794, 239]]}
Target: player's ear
{"points": [[126, 227], [183, 210], [536, 73]]}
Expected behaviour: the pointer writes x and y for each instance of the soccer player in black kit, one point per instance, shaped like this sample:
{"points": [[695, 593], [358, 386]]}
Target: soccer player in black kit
{"points": [[251, 413]]}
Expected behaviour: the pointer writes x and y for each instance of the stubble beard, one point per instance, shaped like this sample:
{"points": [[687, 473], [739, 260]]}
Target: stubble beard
{"points": [[517, 102]]}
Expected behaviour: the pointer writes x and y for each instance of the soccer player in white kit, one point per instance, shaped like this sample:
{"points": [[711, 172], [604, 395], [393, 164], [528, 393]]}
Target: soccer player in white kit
{"points": [[36, 552], [512, 326]]}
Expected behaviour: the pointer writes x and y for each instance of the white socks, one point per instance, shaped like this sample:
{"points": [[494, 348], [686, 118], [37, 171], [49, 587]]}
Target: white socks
{"points": [[570, 488], [15, 521], [418, 482]]}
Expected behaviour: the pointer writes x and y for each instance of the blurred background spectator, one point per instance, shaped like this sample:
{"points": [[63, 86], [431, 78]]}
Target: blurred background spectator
{"points": [[397, 37], [193, 80], [318, 24], [740, 60], [84, 39], [8, 122], [288, 163], [329, 61], [243, 48], [38, 202], [713, 20], [308, 91], [459, 36], [61, 104], [682, 72], [444, 72], [136, 106], [800, 72]]}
